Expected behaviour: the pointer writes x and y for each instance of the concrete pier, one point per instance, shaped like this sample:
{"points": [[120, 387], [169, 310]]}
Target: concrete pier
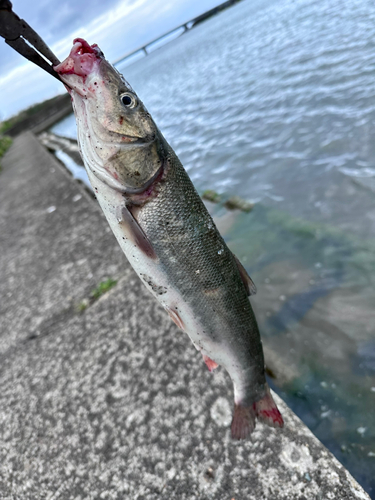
{"points": [[115, 402]]}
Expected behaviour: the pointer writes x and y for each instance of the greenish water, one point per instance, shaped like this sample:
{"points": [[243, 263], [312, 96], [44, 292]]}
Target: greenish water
{"points": [[315, 311], [274, 101]]}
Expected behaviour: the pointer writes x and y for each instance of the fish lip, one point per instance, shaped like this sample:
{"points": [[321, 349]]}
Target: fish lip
{"points": [[86, 48]]}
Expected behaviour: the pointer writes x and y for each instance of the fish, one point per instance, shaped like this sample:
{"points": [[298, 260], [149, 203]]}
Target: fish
{"points": [[165, 230]]}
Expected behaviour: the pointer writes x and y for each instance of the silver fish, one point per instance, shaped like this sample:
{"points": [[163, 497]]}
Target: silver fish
{"points": [[165, 230]]}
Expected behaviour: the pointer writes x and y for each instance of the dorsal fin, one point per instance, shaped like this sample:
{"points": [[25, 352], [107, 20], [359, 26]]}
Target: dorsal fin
{"points": [[247, 281]]}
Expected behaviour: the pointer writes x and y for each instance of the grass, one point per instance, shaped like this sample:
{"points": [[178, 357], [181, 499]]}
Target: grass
{"points": [[5, 143], [95, 294], [211, 195], [102, 288]]}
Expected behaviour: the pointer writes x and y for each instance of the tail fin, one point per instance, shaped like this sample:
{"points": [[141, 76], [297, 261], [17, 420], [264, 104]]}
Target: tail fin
{"points": [[243, 422], [267, 411]]}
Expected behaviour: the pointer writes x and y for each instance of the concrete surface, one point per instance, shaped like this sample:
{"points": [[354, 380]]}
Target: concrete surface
{"points": [[115, 403]]}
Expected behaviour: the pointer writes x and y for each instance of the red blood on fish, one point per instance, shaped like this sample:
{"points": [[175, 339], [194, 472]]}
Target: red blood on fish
{"points": [[243, 422], [81, 59], [271, 417], [86, 48]]}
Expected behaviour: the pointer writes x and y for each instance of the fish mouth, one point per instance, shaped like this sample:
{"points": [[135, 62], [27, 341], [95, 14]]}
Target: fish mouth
{"points": [[82, 59], [79, 72]]}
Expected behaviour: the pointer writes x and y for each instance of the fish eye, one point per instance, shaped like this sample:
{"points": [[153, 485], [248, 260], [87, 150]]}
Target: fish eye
{"points": [[128, 100]]}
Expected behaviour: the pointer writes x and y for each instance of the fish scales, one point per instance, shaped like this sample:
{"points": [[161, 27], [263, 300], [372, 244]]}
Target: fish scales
{"points": [[201, 266], [165, 230]]}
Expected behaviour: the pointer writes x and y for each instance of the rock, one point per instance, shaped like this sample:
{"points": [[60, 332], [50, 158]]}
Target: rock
{"points": [[235, 202], [211, 195]]}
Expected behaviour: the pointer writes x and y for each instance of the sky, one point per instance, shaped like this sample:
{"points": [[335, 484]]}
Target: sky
{"points": [[117, 26]]}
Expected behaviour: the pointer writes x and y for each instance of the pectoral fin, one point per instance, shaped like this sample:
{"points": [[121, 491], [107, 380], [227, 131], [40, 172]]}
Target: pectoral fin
{"points": [[175, 317], [247, 281], [134, 232]]}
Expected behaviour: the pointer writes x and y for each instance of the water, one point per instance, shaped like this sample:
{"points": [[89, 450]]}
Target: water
{"points": [[274, 102]]}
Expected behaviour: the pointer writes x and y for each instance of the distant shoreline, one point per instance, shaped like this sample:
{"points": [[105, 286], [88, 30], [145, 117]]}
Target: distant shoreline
{"points": [[38, 117], [44, 114]]}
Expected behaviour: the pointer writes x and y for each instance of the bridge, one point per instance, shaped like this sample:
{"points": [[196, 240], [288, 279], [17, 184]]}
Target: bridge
{"points": [[172, 34]]}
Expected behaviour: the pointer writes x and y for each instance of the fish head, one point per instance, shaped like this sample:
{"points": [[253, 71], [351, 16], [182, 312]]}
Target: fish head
{"points": [[117, 136]]}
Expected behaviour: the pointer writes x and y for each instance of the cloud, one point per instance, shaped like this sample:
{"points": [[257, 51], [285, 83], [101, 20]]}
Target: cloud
{"points": [[56, 17], [124, 27], [53, 19]]}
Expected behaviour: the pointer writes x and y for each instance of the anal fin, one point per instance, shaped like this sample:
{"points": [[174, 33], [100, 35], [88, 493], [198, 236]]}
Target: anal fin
{"points": [[247, 281], [134, 232]]}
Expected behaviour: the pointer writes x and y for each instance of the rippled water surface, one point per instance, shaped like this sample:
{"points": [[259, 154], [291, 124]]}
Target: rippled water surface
{"points": [[274, 101]]}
